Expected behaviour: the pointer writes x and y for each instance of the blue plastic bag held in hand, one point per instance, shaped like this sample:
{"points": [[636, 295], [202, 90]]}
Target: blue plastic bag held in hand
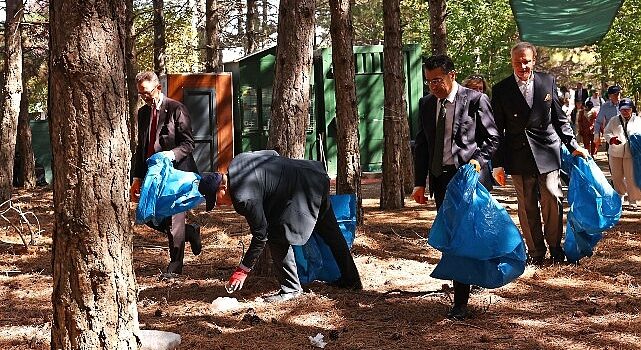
{"points": [[480, 243], [314, 259], [635, 148], [166, 191], [594, 207]]}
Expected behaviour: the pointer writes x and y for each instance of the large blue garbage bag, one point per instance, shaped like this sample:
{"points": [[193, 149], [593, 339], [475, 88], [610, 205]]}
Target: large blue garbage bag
{"points": [[594, 207], [314, 259], [166, 191], [635, 147], [480, 243]]}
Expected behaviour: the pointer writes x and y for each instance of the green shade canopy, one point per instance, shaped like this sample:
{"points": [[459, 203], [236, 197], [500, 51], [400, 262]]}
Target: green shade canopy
{"points": [[564, 23]]}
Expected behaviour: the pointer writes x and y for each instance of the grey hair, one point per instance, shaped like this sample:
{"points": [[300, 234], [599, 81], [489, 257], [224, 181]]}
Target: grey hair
{"points": [[523, 45], [147, 76]]}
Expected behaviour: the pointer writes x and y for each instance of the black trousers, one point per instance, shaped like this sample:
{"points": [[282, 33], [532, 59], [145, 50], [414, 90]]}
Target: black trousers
{"points": [[439, 187], [327, 228]]}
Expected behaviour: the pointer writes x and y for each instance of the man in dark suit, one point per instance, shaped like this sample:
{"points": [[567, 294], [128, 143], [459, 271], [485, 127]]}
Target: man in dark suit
{"points": [[532, 126], [456, 127], [283, 200], [164, 126], [580, 94]]}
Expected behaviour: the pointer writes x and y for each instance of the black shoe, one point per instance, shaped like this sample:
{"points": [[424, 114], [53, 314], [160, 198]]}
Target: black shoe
{"points": [[192, 235], [168, 276], [535, 260], [351, 284], [557, 255], [175, 267], [458, 312], [281, 297]]}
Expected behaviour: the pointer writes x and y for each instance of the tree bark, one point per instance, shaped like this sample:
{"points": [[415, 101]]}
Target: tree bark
{"points": [[290, 102], [159, 37], [348, 179], [94, 287], [212, 40], [251, 26], [132, 69], [12, 93], [392, 193], [438, 31], [28, 173]]}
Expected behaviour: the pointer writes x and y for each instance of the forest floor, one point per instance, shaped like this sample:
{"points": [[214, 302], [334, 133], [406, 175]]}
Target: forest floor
{"points": [[592, 305]]}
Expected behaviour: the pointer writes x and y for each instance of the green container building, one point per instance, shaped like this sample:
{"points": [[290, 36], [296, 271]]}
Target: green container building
{"points": [[253, 80]]}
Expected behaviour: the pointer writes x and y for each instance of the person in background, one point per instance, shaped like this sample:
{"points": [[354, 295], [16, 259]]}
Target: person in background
{"points": [[608, 110], [283, 200], [456, 127], [476, 82], [620, 155], [581, 93], [532, 127], [164, 125], [585, 121], [596, 99]]}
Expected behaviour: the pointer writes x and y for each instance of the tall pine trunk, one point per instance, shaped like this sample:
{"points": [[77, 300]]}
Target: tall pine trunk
{"points": [[12, 93], [395, 114], [212, 41], [348, 179], [251, 26], [131, 64], [438, 31], [94, 287], [290, 103], [159, 37]]}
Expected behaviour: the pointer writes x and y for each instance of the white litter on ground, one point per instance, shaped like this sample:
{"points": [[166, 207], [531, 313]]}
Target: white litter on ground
{"points": [[317, 341], [222, 304]]}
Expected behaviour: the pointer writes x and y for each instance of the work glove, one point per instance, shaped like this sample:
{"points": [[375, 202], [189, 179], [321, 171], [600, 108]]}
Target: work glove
{"points": [[237, 279], [475, 163], [168, 154], [615, 141], [580, 152], [134, 190], [419, 194], [499, 175]]}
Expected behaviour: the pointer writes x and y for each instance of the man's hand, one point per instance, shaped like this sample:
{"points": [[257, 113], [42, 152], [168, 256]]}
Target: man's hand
{"points": [[419, 194], [475, 163], [134, 190], [168, 154], [581, 152], [237, 279], [499, 175], [615, 141]]}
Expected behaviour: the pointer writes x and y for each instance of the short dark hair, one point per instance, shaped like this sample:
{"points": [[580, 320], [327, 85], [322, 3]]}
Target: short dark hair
{"points": [[523, 45], [439, 61]]}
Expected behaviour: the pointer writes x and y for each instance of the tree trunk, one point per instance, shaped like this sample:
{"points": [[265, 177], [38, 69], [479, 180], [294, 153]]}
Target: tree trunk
{"points": [[159, 37], [240, 24], [392, 193], [250, 26], [290, 102], [131, 63], [438, 32], [212, 41], [12, 94], [348, 179], [264, 23], [24, 139], [94, 287]]}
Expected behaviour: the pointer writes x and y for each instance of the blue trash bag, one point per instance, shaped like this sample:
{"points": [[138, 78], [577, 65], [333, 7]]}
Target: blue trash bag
{"points": [[166, 191], [594, 207], [480, 243], [635, 148], [314, 259]]}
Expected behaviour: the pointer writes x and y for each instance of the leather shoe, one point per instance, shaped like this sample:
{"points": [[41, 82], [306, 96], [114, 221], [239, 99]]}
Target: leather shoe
{"points": [[557, 255], [458, 312], [535, 260], [281, 297], [351, 284], [192, 235]]}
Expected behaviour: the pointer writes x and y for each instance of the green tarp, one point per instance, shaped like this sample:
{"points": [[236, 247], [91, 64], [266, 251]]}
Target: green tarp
{"points": [[564, 23]]}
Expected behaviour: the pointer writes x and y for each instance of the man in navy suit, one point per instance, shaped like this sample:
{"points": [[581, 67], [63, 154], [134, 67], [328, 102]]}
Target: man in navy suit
{"points": [[283, 200], [456, 127], [532, 126]]}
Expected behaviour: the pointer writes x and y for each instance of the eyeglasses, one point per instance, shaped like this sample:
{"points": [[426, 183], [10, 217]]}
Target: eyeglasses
{"points": [[150, 93], [437, 81]]}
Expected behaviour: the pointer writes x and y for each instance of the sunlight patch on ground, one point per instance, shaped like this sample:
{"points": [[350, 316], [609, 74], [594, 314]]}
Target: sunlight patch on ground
{"points": [[539, 324], [29, 334]]}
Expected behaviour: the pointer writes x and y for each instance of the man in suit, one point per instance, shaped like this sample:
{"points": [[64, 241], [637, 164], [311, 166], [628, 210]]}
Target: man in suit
{"points": [[581, 93], [456, 127], [164, 126], [283, 200], [532, 126]]}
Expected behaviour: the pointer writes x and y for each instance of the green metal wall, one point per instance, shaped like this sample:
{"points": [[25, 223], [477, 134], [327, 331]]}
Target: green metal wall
{"points": [[253, 80]]}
